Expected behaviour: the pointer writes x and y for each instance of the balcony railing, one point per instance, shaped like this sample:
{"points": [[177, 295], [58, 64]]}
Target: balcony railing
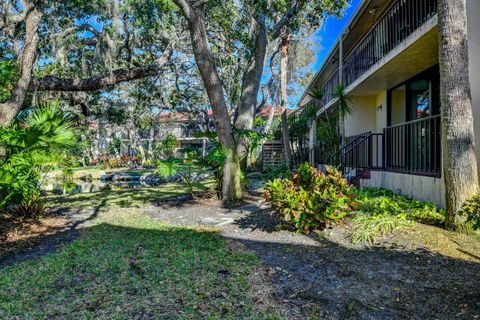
{"points": [[401, 19], [329, 87], [414, 147]]}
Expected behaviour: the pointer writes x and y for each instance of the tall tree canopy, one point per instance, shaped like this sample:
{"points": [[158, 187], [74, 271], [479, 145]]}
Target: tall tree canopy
{"points": [[189, 49]]}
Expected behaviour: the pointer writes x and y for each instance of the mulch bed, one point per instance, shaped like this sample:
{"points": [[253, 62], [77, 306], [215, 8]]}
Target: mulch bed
{"points": [[18, 233]]}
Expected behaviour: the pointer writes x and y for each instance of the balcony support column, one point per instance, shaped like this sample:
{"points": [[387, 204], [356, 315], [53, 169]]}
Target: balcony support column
{"points": [[340, 77], [340, 60], [312, 140]]}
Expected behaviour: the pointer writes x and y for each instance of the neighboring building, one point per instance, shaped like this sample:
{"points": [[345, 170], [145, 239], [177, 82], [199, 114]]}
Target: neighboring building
{"points": [[388, 57], [184, 126]]}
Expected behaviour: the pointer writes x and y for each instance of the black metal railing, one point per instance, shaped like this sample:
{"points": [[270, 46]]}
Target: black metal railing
{"points": [[318, 151], [364, 154], [414, 147], [361, 152], [329, 87], [301, 155], [331, 156], [401, 19], [398, 22]]}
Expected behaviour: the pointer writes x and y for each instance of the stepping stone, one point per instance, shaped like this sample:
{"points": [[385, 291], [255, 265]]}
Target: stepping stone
{"points": [[250, 208], [216, 221]]}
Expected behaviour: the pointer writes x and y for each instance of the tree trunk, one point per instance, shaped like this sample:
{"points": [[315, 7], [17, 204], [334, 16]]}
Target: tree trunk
{"points": [[9, 110], [247, 106], [253, 76], [150, 142], [213, 85], [283, 88], [231, 188], [458, 154]]}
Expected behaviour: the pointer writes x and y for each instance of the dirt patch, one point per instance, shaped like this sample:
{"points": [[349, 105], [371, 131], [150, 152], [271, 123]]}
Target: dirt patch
{"points": [[326, 276], [17, 233], [23, 239]]}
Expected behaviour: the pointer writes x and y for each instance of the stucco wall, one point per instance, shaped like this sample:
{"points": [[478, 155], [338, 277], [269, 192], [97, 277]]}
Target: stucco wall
{"points": [[417, 187], [473, 14], [381, 121], [398, 106], [362, 119]]}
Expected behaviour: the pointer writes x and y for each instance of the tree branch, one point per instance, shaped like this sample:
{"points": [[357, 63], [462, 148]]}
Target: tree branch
{"points": [[101, 81], [186, 8], [287, 17]]}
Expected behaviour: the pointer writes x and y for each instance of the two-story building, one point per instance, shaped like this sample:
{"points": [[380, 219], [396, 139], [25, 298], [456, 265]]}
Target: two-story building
{"points": [[387, 60]]}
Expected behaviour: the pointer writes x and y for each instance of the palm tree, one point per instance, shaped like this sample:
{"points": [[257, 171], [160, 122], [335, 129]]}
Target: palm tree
{"points": [[37, 140], [459, 161], [329, 129]]}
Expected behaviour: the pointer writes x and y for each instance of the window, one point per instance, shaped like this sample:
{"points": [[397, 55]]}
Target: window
{"points": [[416, 98]]}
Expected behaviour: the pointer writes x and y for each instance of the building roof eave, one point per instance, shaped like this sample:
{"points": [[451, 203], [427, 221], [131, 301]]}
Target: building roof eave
{"points": [[358, 11]]}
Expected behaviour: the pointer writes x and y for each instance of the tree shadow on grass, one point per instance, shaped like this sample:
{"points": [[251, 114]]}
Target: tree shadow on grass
{"points": [[171, 272], [148, 272], [370, 283], [265, 220], [47, 241]]}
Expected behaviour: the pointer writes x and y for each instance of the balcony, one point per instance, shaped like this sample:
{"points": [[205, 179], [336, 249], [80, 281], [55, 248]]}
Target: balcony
{"points": [[414, 147], [399, 21]]}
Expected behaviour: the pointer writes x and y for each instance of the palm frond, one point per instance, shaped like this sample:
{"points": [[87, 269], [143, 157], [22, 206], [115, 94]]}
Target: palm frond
{"points": [[344, 102]]}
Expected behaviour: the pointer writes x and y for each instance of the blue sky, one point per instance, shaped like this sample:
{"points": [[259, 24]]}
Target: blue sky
{"points": [[330, 31], [327, 34]]}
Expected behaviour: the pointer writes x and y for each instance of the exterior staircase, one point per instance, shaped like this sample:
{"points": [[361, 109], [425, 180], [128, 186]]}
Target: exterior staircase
{"points": [[361, 154]]}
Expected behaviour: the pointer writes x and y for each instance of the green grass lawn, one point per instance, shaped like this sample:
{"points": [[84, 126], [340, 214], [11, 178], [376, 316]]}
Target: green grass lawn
{"points": [[129, 266], [95, 172], [124, 198]]}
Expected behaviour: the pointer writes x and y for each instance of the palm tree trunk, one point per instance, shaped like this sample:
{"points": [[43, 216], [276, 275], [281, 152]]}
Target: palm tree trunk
{"points": [[459, 161]]}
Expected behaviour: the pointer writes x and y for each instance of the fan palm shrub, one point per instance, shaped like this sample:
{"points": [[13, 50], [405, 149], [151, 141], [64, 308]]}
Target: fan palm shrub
{"points": [[36, 141]]}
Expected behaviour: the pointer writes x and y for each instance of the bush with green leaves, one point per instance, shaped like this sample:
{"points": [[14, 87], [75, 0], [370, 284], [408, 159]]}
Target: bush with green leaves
{"points": [[380, 212], [186, 168], [33, 144], [8, 76], [114, 146], [311, 199], [281, 171], [166, 147], [375, 201], [471, 211]]}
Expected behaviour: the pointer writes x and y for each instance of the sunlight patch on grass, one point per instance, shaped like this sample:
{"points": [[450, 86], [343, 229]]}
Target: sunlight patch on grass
{"points": [[123, 198], [134, 267], [448, 243]]}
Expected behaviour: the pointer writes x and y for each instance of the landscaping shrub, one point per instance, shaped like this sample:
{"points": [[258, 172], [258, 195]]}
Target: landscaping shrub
{"points": [[186, 168], [166, 147], [368, 228], [115, 162], [374, 202], [281, 171], [37, 141], [471, 210], [381, 211], [310, 198]]}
